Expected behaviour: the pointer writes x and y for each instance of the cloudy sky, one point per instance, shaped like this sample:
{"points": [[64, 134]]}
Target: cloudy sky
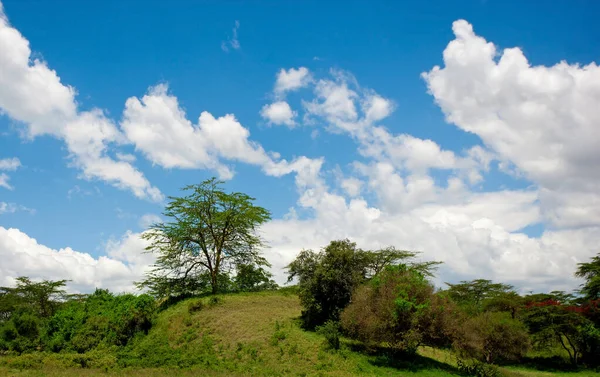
{"points": [[469, 133]]}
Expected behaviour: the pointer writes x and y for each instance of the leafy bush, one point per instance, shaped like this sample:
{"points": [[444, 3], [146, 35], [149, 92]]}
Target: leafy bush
{"points": [[253, 278], [491, 337], [331, 331], [477, 369], [195, 306], [398, 308], [100, 319]]}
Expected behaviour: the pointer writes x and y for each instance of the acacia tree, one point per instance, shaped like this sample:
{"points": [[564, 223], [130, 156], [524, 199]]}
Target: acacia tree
{"points": [[210, 233], [590, 271]]}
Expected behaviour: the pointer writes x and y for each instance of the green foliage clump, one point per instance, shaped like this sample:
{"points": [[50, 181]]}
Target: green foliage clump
{"points": [[492, 337], [100, 319], [331, 331], [398, 308], [251, 278], [477, 368]]}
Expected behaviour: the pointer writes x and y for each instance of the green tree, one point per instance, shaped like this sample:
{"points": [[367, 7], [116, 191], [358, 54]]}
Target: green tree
{"points": [[210, 233], [558, 318], [590, 271], [472, 295], [327, 279], [41, 298], [251, 278]]}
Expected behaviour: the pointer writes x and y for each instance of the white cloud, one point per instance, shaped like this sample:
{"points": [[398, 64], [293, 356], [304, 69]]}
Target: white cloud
{"points": [[158, 128], [12, 208], [352, 186], [292, 79], [10, 164], [32, 93], [475, 236], [4, 178], [279, 113], [543, 120], [124, 263], [232, 42]]}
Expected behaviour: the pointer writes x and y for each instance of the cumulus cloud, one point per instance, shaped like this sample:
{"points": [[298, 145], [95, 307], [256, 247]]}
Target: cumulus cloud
{"points": [[279, 113], [292, 79], [33, 94], [475, 235], [540, 119], [124, 262], [159, 129], [8, 164]]}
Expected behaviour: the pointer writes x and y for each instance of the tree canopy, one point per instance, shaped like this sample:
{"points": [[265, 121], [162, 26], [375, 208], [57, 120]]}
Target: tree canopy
{"points": [[590, 271], [210, 232]]}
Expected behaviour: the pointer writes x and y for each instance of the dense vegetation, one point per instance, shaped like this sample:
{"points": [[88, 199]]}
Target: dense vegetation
{"points": [[352, 311]]}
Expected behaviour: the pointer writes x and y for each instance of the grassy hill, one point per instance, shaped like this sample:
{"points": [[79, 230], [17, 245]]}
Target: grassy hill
{"points": [[252, 334]]}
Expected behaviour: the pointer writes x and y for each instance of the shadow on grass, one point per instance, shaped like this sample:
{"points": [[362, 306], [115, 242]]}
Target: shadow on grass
{"points": [[387, 357], [545, 363]]}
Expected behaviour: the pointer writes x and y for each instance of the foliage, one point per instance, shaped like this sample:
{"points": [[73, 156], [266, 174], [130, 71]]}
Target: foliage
{"points": [[590, 271], [251, 278], [398, 308], [491, 337], [210, 233], [80, 325], [327, 279], [556, 317], [331, 331], [475, 296], [478, 369], [39, 298]]}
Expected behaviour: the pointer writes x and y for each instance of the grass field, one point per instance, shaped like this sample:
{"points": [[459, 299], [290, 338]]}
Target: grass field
{"points": [[255, 334]]}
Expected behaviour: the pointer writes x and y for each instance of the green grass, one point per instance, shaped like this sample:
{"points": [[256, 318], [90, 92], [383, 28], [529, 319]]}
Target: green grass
{"points": [[255, 334]]}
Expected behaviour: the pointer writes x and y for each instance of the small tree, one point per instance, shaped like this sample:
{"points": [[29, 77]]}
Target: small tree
{"points": [[210, 233], [327, 279], [253, 278]]}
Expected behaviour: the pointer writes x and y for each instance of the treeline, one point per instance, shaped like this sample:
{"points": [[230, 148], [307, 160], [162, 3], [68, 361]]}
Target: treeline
{"points": [[384, 298]]}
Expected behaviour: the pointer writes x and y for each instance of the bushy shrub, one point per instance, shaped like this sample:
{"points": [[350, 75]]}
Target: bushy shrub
{"points": [[100, 319], [477, 369], [491, 337], [195, 306], [331, 331], [397, 308]]}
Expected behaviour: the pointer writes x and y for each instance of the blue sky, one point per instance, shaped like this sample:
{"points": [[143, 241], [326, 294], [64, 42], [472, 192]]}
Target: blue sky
{"points": [[517, 172]]}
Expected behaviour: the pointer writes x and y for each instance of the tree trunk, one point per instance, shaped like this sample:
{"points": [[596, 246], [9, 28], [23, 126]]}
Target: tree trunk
{"points": [[214, 283]]}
